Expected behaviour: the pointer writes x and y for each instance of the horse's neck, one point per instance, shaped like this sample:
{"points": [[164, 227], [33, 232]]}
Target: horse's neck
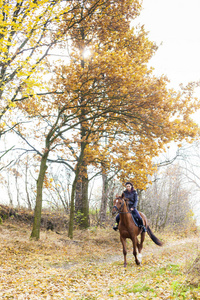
{"points": [[125, 208], [124, 215]]}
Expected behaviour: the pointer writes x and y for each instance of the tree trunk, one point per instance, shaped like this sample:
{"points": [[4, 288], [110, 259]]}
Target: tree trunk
{"points": [[79, 194], [81, 204], [73, 192], [104, 199], [85, 222], [38, 206], [72, 206], [26, 186]]}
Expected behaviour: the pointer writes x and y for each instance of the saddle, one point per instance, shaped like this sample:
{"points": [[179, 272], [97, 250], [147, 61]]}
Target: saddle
{"points": [[135, 220]]}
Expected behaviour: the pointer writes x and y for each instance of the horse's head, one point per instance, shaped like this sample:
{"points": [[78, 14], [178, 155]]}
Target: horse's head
{"points": [[118, 204]]}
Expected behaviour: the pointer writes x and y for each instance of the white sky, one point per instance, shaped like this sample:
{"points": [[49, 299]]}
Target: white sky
{"points": [[175, 24]]}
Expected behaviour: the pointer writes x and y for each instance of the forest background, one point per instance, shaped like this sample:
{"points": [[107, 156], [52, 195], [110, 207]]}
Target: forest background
{"points": [[80, 105]]}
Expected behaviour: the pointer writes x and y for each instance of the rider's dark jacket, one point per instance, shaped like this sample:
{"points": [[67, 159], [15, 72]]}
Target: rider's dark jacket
{"points": [[133, 198], [133, 201]]}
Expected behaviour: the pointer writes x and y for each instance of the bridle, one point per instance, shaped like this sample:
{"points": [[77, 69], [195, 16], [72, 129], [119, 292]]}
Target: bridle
{"points": [[119, 210]]}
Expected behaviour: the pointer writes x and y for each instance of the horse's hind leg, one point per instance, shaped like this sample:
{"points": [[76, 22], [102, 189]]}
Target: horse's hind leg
{"points": [[123, 241], [140, 246]]}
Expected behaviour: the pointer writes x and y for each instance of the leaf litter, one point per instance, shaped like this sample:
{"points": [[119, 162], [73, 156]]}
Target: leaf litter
{"points": [[91, 266]]}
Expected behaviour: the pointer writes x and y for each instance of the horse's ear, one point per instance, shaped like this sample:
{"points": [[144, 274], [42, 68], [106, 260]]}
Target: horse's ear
{"points": [[123, 195], [117, 195]]}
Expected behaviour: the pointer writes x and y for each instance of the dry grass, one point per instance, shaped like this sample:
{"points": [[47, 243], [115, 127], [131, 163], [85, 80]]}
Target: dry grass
{"points": [[91, 266]]}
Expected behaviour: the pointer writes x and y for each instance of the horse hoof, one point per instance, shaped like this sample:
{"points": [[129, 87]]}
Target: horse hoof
{"points": [[137, 262], [139, 257]]}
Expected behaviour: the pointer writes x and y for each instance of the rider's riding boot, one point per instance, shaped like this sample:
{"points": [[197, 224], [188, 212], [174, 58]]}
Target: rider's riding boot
{"points": [[141, 226], [115, 227], [144, 229]]}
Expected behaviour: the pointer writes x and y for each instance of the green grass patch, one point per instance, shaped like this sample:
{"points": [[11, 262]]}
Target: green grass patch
{"points": [[171, 268], [138, 287], [180, 290]]}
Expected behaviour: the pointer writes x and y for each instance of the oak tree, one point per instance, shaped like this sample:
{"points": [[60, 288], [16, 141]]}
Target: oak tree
{"points": [[113, 91]]}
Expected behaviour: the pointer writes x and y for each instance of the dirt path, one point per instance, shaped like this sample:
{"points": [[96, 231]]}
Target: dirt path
{"points": [[150, 251]]}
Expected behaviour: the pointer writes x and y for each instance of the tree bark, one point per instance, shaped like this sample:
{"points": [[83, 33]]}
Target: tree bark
{"points": [[73, 192], [85, 222], [104, 199], [81, 204], [78, 200], [38, 206]]}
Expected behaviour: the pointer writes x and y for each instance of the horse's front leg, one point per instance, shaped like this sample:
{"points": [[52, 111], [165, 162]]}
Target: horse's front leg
{"points": [[135, 241], [123, 241]]}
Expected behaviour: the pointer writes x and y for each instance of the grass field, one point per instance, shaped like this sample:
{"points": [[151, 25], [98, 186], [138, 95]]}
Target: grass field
{"points": [[91, 266]]}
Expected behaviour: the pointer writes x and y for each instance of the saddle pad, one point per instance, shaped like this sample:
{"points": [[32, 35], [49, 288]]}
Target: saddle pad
{"points": [[135, 220]]}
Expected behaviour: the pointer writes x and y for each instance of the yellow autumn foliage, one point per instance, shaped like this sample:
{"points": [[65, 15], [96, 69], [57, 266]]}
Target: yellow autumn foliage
{"points": [[114, 93]]}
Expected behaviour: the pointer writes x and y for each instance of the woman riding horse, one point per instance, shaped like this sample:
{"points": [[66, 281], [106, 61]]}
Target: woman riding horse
{"points": [[131, 194], [129, 230]]}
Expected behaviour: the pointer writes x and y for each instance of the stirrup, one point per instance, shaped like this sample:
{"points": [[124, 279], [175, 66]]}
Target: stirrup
{"points": [[115, 227], [144, 229]]}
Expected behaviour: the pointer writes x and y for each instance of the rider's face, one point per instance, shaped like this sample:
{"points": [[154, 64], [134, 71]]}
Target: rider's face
{"points": [[128, 187]]}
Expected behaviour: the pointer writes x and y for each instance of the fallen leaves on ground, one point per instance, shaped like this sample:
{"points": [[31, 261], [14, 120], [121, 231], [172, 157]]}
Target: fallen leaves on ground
{"points": [[91, 266]]}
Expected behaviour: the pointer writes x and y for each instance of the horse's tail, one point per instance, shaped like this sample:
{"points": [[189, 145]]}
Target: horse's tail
{"points": [[153, 237]]}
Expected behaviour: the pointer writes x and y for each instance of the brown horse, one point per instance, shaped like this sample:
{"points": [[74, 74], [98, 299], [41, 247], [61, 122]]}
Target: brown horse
{"points": [[128, 229]]}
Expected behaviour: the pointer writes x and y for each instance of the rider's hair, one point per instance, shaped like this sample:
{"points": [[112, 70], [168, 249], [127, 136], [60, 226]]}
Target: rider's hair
{"points": [[129, 183]]}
